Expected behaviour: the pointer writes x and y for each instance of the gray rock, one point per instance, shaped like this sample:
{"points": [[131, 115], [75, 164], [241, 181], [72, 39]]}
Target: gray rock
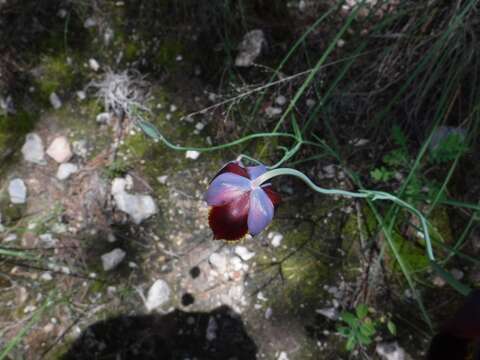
{"points": [[244, 253], [280, 100], [55, 101], [81, 95], [94, 65], [33, 150], [79, 148], [139, 207], [219, 262], [273, 111], [250, 48], [47, 240], [330, 313], [65, 170], [59, 150], [391, 351], [89, 23], [158, 295], [112, 259], [104, 118], [275, 238], [17, 191], [192, 154]]}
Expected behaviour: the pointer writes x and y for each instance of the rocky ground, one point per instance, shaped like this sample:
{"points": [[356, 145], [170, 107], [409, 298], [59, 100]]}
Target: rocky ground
{"points": [[104, 240], [101, 237]]}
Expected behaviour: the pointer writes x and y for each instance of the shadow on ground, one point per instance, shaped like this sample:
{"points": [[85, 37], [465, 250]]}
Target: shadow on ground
{"points": [[219, 334]]}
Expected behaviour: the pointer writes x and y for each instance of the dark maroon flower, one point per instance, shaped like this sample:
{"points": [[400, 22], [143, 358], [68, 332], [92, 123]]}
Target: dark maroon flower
{"points": [[238, 205]]}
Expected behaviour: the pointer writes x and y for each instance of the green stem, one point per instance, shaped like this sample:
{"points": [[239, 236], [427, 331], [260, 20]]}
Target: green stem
{"points": [[363, 194]]}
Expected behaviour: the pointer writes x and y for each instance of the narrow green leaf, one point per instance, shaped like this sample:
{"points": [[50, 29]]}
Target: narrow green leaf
{"points": [[392, 327]]}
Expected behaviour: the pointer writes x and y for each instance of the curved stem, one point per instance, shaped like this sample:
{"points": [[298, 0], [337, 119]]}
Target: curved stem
{"points": [[372, 194]]}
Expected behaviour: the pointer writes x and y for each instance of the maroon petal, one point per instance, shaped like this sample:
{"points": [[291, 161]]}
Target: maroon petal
{"points": [[273, 195], [233, 167], [230, 221]]}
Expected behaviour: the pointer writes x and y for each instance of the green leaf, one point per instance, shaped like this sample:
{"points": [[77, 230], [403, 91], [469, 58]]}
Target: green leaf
{"points": [[149, 129], [363, 339], [349, 318], [392, 327], [368, 329], [381, 174], [362, 311], [351, 343], [396, 158], [344, 331]]}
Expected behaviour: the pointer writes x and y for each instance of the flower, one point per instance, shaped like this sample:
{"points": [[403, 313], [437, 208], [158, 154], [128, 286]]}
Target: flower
{"points": [[238, 206]]}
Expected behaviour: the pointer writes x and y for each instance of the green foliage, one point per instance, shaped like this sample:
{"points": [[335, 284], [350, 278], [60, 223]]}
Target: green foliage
{"points": [[117, 168], [360, 328], [381, 174], [448, 149]]}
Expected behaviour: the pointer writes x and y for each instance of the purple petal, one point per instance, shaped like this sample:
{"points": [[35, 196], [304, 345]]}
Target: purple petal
{"points": [[256, 171], [225, 188], [260, 213]]}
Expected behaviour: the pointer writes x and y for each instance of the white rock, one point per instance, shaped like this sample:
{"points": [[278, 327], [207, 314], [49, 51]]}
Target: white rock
{"points": [[282, 356], [162, 179], [276, 240], [219, 262], [9, 238], [94, 65], [62, 13], [81, 95], [268, 313], [158, 295], [280, 100], [59, 150], [33, 150], [272, 111], [55, 101], [244, 253], [173, 108], [250, 48], [310, 103], [192, 154], [46, 276], [139, 207], [65, 170], [330, 313], [17, 191], [111, 259], [89, 22], [390, 351], [104, 118], [236, 264], [438, 281], [199, 126], [118, 186]]}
